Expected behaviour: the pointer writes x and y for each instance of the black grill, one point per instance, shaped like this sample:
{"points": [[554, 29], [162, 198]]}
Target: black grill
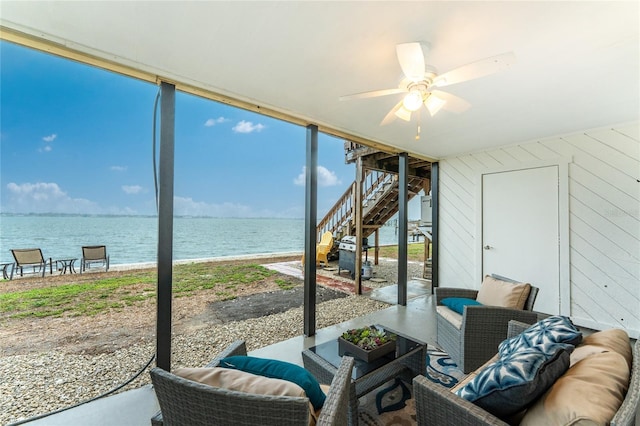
{"points": [[347, 254]]}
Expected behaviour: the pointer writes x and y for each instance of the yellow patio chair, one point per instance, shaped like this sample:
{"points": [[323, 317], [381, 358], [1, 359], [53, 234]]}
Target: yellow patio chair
{"points": [[323, 249]]}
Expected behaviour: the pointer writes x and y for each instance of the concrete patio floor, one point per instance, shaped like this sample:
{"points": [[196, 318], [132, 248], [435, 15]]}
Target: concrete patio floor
{"points": [[135, 407]]}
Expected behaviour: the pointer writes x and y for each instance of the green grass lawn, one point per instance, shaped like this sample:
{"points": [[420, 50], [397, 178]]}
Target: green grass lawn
{"points": [[415, 251], [99, 295], [92, 296]]}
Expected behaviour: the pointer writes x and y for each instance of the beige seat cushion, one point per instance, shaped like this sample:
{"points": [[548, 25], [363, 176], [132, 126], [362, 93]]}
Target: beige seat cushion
{"points": [[589, 393], [451, 316], [240, 381], [495, 292], [237, 380]]}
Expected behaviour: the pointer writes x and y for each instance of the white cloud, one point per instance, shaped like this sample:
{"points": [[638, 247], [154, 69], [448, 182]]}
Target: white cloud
{"points": [[43, 197], [47, 148], [50, 138], [187, 206], [213, 121], [247, 127], [325, 177], [118, 168], [132, 189]]}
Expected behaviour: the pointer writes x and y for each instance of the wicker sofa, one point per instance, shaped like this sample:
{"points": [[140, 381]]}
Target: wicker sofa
{"points": [[437, 405], [471, 338], [189, 403]]}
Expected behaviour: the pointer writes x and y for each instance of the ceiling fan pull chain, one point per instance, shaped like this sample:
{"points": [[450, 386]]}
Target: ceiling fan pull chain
{"points": [[418, 130]]}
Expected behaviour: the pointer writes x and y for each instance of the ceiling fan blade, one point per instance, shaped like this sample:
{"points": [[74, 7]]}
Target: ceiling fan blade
{"points": [[391, 115], [474, 70], [372, 94], [411, 59], [403, 113], [434, 103], [453, 102]]}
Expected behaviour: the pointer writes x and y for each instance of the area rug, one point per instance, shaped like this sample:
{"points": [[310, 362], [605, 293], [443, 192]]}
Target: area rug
{"points": [[441, 369], [392, 403]]}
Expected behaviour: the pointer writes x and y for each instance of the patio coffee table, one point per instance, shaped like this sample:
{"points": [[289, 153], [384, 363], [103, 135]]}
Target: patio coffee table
{"points": [[408, 361]]}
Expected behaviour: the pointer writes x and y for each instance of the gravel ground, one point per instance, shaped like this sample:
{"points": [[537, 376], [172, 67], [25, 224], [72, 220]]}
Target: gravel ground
{"points": [[36, 383]]}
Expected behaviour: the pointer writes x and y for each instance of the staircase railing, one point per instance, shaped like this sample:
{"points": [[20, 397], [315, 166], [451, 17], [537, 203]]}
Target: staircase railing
{"points": [[340, 218]]}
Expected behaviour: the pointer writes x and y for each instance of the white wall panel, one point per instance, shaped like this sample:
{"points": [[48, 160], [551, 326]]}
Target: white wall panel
{"points": [[457, 198], [604, 222]]}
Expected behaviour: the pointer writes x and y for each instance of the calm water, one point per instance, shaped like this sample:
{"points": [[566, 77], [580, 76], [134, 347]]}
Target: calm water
{"points": [[133, 239]]}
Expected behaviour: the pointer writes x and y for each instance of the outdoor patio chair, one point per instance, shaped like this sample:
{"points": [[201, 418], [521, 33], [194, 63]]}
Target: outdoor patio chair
{"points": [[322, 249], [94, 255], [188, 403], [30, 258], [471, 337]]}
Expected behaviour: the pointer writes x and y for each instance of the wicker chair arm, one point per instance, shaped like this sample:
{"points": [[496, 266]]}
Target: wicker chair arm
{"points": [[516, 327], [437, 405], [626, 414], [236, 348], [191, 403], [444, 292], [335, 409], [483, 328], [322, 370], [492, 320]]}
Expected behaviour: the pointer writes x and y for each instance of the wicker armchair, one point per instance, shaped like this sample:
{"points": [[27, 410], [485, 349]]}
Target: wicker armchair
{"points": [[186, 403], [482, 329]]}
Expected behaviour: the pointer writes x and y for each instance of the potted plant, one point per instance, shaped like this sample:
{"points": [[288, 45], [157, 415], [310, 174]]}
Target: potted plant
{"points": [[367, 343]]}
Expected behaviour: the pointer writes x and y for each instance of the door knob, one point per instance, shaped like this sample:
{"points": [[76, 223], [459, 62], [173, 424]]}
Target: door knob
{"points": [[487, 247]]}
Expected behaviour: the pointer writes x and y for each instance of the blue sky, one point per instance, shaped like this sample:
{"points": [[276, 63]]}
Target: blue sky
{"points": [[76, 139]]}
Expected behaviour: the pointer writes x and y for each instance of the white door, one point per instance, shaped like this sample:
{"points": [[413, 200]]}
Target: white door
{"points": [[520, 230]]}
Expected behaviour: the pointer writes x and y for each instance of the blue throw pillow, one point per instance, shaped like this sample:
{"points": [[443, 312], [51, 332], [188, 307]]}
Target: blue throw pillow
{"points": [[279, 370], [554, 329], [512, 383], [457, 304]]}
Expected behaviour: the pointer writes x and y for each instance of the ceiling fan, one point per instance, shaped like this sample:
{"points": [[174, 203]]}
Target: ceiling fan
{"points": [[421, 80]]}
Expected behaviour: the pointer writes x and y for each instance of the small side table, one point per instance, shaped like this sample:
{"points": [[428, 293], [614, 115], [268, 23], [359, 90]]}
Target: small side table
{"points": [[5, 270], [67, 265]]}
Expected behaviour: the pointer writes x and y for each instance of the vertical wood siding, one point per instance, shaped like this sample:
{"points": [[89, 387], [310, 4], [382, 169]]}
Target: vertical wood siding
{"points": [[604, 218]]}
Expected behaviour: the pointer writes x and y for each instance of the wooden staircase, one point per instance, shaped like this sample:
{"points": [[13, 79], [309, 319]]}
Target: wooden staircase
{"points": [[379, 191]]}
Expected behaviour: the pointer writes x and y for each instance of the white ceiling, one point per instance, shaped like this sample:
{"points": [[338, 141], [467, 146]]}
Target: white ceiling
{"points": [[577, 62]]}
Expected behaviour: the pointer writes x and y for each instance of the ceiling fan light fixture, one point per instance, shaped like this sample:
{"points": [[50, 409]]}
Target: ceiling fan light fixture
{"points": [[413, 100], [403, 114], [434, 104]]}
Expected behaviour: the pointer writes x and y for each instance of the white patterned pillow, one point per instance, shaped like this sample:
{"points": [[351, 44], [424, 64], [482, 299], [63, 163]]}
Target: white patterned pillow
{"points": [[515, 381], [555, 329]]}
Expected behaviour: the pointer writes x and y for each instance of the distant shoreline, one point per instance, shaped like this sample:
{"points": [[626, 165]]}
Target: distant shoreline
{"points": [[270, 257], [275, 257]]}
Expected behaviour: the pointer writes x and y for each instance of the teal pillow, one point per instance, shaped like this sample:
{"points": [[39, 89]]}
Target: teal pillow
{"points": [[550, 330], [512, 383], [457, 304], [279, 370]]}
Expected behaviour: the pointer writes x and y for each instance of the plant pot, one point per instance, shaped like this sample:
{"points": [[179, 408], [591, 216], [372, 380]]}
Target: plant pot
{"points": [[348, 348]]}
